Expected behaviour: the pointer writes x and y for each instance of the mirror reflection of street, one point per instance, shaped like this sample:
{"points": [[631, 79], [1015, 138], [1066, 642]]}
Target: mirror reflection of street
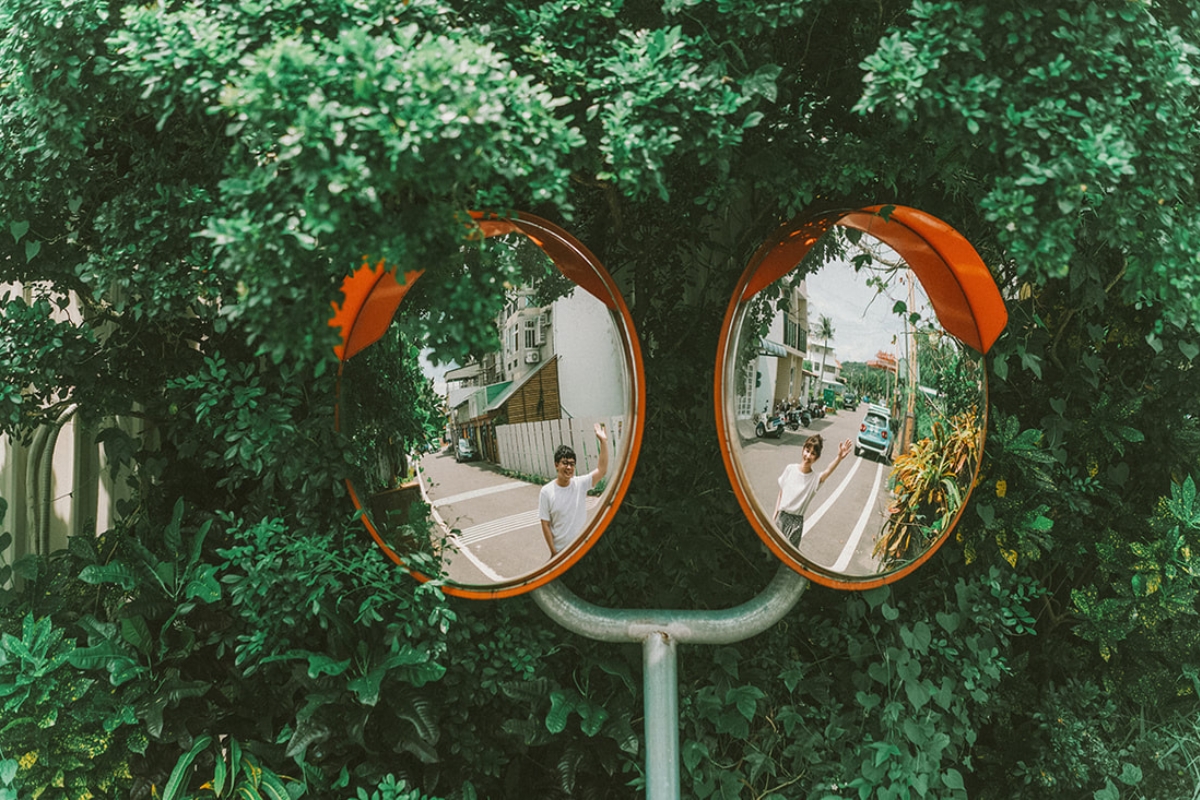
{"points": [[560, 371], [845, 517], [854, 352]]}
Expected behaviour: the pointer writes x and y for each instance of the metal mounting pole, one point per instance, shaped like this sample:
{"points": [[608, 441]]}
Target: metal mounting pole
{"points": [[660, 631], [660, 702]]}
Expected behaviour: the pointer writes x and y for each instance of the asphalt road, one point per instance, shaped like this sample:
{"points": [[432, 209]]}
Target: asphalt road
{"points": [[848, 512]]}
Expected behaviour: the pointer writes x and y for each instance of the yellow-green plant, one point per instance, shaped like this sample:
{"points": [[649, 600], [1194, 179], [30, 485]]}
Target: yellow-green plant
{"points": [[928, 484]]}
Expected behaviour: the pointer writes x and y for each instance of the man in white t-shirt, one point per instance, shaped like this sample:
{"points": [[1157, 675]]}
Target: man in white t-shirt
{"points": [[798, 485], [562, 503]]}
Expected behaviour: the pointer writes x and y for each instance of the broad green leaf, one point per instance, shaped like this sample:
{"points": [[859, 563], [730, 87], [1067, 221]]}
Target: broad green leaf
{"points": [[179, 775], [116, 572], [561, 705], [1131, 774], [952, 779], [321, 664], [746, 699], [762, 82], [135, 631], [171, 533], [693, 754], [366, 687], [220, 774], [271, 788], [592, 718], [204, 588]]}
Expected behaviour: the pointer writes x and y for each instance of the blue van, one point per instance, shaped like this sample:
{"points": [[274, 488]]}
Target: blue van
{"points": [[874, 434]]}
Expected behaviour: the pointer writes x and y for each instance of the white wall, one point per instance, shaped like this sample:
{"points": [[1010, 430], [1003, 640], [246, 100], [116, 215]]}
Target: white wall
{"points": [[81, 493], [591, 365]]}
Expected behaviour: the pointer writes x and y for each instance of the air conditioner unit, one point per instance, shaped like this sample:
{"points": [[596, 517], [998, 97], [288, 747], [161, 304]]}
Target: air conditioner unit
{"points": [[532, 356]]}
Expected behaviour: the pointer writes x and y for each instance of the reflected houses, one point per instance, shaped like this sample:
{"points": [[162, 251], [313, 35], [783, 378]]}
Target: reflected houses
{"points": [[822, 357], [791, 364], [778, 373], [556, 363]]}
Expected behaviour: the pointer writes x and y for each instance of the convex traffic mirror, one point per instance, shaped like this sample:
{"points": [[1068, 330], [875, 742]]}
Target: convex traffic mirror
{"points": [[851, 391], [476, 504]]}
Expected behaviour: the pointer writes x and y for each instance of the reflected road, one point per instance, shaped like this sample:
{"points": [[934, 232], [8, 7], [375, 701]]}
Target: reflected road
{"points": [[848, 512], [495, 534]]}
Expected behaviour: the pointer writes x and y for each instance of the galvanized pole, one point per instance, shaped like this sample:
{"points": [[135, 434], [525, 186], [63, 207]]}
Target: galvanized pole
{"points": [[660, 631], [660, 702]]}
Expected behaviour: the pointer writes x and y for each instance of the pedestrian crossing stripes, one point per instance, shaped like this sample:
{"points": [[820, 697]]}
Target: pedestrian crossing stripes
{"points": [[471, 495], [498, 527]]}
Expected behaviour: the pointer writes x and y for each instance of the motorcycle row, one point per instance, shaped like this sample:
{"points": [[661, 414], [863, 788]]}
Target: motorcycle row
{"points": [[792, 416]]}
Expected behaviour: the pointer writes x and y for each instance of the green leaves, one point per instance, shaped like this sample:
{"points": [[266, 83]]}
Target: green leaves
{"points": [[1182, 504], [658, 95], [179, 577], [565, 702], [237, 773], [57, 714], [18, 230], [197, 180], [1024, 85]]}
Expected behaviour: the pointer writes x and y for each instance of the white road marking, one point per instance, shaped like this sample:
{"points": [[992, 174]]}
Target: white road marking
{"points": [[441, 523], [829, 501], [482, 567], [852, 544], [498, 527], [471, 495]]}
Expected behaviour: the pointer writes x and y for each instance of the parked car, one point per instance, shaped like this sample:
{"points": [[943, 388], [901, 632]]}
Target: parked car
{"points": [[465, 451], [874, 434]]}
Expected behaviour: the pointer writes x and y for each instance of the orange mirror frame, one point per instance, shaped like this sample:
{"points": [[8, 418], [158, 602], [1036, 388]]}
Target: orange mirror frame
{"points": [[372, 296], [964, 296]]}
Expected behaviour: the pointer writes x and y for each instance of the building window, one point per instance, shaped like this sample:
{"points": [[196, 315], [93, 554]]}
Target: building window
{"points": [[530, 333], [794, 334]]}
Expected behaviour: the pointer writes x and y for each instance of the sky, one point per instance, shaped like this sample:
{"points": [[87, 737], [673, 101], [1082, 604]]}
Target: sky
{"points": [[863, 321], [436, 374]]}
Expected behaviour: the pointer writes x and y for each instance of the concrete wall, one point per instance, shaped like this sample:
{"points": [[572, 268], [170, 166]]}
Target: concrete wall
{"points": [[529, 447]]}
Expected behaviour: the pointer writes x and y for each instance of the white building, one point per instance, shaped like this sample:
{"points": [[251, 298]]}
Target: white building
{"points": [[778, 373], [559, 361]]}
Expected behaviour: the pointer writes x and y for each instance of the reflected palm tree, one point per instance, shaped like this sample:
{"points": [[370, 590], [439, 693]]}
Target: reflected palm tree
{"points": [[824, 331]]}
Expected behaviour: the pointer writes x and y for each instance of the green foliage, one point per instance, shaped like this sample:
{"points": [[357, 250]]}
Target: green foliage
{"points": [[63, 731], [1077, 160], [391, 789], [236, 773], [901, 722]]}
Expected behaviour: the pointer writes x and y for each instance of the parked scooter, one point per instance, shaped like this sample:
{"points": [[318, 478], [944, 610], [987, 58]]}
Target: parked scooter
{"points": [[768, 425], [797, 417], [816, 408]]}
